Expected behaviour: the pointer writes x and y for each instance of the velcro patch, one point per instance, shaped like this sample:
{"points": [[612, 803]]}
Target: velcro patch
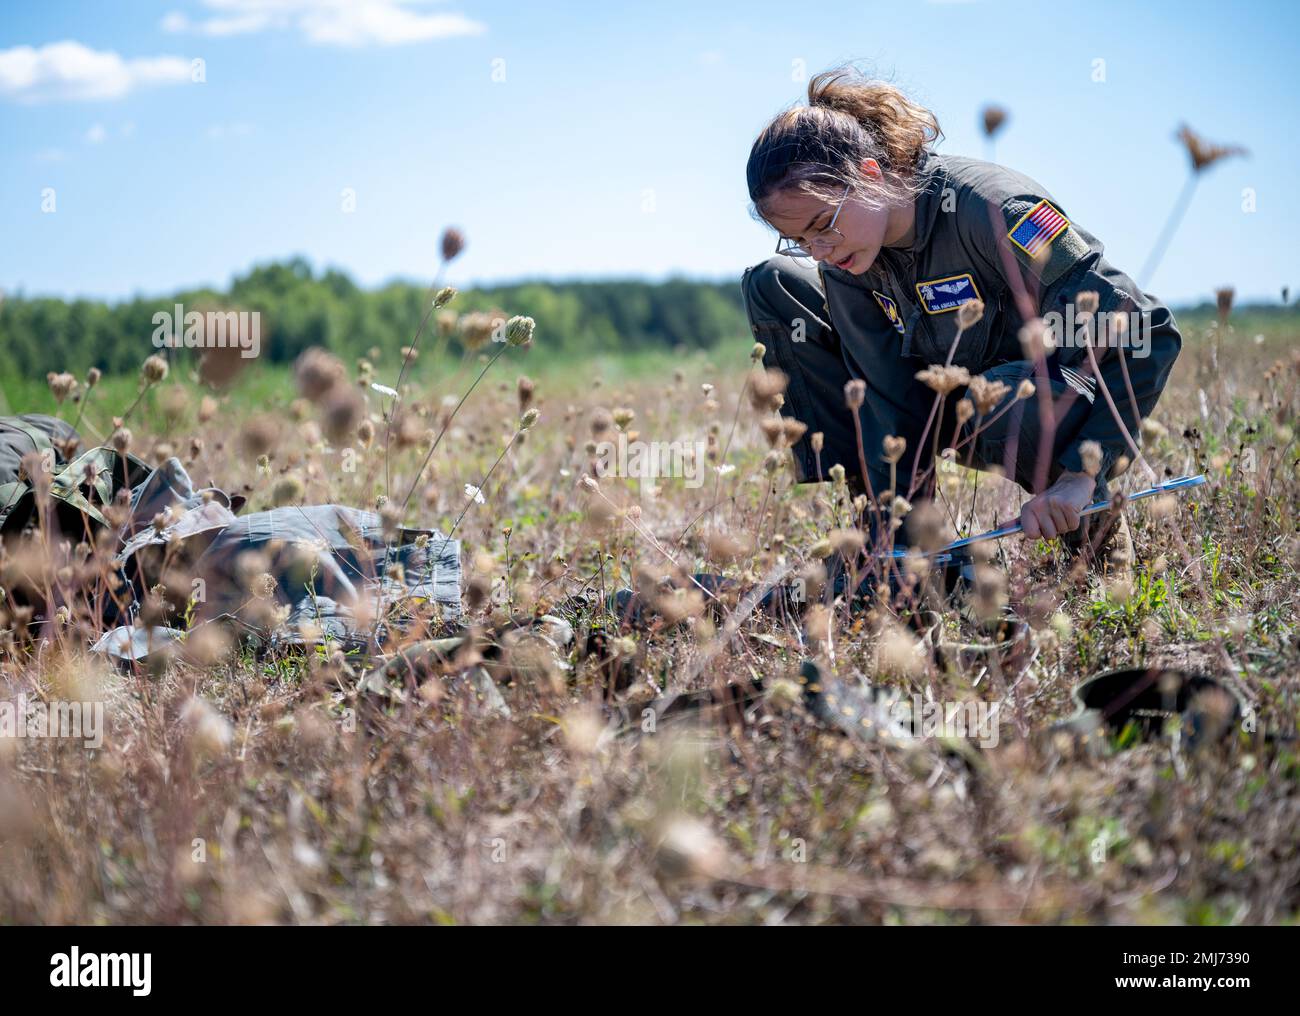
{"points": [[1043, 239], [891, 310], [939, 296], [1037, 228]]}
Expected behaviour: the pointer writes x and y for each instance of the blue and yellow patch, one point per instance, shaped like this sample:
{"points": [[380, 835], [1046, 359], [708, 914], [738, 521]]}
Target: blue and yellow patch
{"points": [[938, 296], [891, 310]]}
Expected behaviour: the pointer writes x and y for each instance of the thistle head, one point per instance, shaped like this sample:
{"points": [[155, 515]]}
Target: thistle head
{"points": [[855, 393], [519, 331], [994, 117], [969, 314], [154, 369], [894, 447], [453, 242]]}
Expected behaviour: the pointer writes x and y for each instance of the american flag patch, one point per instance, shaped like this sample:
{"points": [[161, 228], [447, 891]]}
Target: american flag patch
{"points": [[1040, 226]]}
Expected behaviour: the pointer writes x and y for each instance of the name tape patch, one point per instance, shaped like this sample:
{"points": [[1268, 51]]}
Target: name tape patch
{"points": [[891, 310], [939, 296]]}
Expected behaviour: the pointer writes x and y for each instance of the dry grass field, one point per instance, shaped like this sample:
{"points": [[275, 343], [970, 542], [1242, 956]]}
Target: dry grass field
{"points": [[238, 788]]}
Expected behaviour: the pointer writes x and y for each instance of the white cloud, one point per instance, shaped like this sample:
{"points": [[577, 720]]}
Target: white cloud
{"points": [[96, 134], [69, 70], [238, 25], [328, 22]]}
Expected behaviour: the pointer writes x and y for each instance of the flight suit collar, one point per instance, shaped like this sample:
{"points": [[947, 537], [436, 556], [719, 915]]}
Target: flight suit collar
{"points": [[895, 267], [892, 261], [928, 201]]}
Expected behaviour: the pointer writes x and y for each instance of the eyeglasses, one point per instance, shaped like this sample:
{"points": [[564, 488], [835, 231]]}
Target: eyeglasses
{"points": [[826, 238]]}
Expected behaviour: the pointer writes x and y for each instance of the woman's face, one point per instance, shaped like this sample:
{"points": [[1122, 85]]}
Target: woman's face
{"points": [[801, 217]]}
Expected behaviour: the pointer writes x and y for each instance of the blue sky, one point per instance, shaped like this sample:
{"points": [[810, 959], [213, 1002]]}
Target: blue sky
{"points": [[615, 144]]}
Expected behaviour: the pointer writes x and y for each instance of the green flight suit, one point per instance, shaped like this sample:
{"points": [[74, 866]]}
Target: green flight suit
{"points": [[981, 231]]}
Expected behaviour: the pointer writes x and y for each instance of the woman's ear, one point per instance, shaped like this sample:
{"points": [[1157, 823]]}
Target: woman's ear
{"points": [[871, 168]]}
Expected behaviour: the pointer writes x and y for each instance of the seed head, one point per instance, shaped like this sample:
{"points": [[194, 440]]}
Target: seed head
{"points": [[259, 435], [525, 387], [317, 372], [154, 369], [994, 117], [987, 394], [855, 393], [453, 242], [61, 385], [969, 314], [765, 388], [476, 329], [1223, 301], [894, 447], [443, 297], [943, 379], [846, 542], [1202, 153], [342, 412], [519, 331], [1090, 453], [793, 431], [1036, 339], [288, 489]]}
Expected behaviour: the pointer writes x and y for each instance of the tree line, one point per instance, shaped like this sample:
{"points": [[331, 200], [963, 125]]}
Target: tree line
{"points": [[300, 307]]}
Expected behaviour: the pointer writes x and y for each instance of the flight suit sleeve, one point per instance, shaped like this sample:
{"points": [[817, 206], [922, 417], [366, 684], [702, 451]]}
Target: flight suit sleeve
{"points": [[1047, 261]]}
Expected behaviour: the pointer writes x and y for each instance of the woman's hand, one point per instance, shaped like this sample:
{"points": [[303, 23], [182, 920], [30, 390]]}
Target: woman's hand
{"points": [[1055, 511]]}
